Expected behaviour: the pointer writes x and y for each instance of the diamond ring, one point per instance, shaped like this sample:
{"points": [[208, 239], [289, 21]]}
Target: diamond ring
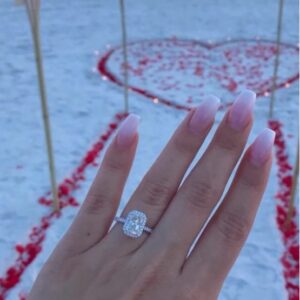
{"points": [[134, 224]]}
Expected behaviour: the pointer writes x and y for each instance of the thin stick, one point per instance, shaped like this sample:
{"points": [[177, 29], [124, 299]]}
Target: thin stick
{"points": [[125, 54], [33, 14], [277, 57], [293, 191]]}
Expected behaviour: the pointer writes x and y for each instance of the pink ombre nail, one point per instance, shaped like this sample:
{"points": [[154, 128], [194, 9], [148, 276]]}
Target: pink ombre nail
{"points": [[241, 110], [262, 147], [128, 130], [204, 114]]}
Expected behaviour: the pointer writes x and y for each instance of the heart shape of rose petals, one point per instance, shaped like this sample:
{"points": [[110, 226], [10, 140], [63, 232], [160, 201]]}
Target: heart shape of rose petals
{"points": [[179, 72]]}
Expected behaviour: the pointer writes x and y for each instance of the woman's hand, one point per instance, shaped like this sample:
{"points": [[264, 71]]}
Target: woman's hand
{"points": [[93, 263]]}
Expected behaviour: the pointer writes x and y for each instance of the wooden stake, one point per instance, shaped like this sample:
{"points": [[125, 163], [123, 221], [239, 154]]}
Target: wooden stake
{"points": [[125, 54], [293, 191], [277, 58], [33, 11]]}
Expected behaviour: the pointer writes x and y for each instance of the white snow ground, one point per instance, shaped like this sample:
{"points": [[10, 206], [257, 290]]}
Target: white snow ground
{"points": [[81, 105]]}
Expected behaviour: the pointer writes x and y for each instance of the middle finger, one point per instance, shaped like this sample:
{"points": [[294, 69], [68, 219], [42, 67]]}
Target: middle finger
{"points": [[205, 184]]}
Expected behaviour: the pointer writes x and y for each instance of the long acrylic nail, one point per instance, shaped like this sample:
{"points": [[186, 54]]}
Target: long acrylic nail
{"points": [[204, 114], [128, 130], [262, 147], [241, 110]]}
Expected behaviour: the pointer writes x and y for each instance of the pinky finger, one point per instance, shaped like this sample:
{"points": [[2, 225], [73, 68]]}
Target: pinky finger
{"points": [[97, 212], [222, 240]]}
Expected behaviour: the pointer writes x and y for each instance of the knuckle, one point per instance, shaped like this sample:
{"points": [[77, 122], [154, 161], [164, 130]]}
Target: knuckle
{"points": [[250, 182], [114, 164], [233, 227], [96, 202], [188, 292], [174, 242], [156, 192], [190, 295], [202, 195], [149, 275], [228, 143], [184, 146]]}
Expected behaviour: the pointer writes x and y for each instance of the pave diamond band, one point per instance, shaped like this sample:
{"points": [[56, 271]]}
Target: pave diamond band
{"points": [[134, 224]]}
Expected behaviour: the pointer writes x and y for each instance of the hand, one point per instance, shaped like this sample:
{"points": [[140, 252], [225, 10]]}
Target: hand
{"points": [[93, 263]]}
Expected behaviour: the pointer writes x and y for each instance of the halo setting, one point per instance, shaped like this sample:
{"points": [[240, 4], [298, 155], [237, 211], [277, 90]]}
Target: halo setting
{"points": [[134, 224]]}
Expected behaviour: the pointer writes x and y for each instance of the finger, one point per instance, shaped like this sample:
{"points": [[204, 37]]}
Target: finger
{"points": [[99, 208], [161, 182], [223, 238], [204, 186]]}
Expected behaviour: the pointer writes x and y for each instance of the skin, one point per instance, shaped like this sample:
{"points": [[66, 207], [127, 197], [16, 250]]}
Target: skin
{"points": [[93, 263]]}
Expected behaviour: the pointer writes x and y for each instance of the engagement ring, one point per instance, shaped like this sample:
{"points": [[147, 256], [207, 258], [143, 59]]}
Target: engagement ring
{"points": [[134, 224]]}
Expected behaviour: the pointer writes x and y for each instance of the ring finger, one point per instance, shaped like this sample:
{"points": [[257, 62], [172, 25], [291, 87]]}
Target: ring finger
{"points": [[161, 182]]}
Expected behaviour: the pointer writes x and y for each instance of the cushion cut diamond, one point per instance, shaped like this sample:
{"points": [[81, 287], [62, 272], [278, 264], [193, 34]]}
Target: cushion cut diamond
{"points": [[134, 224]]}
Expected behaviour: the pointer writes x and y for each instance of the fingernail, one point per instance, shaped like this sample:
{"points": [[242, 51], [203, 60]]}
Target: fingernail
{"points": [[204, 114], [262, 147], [241, 110], [128, 130]]}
